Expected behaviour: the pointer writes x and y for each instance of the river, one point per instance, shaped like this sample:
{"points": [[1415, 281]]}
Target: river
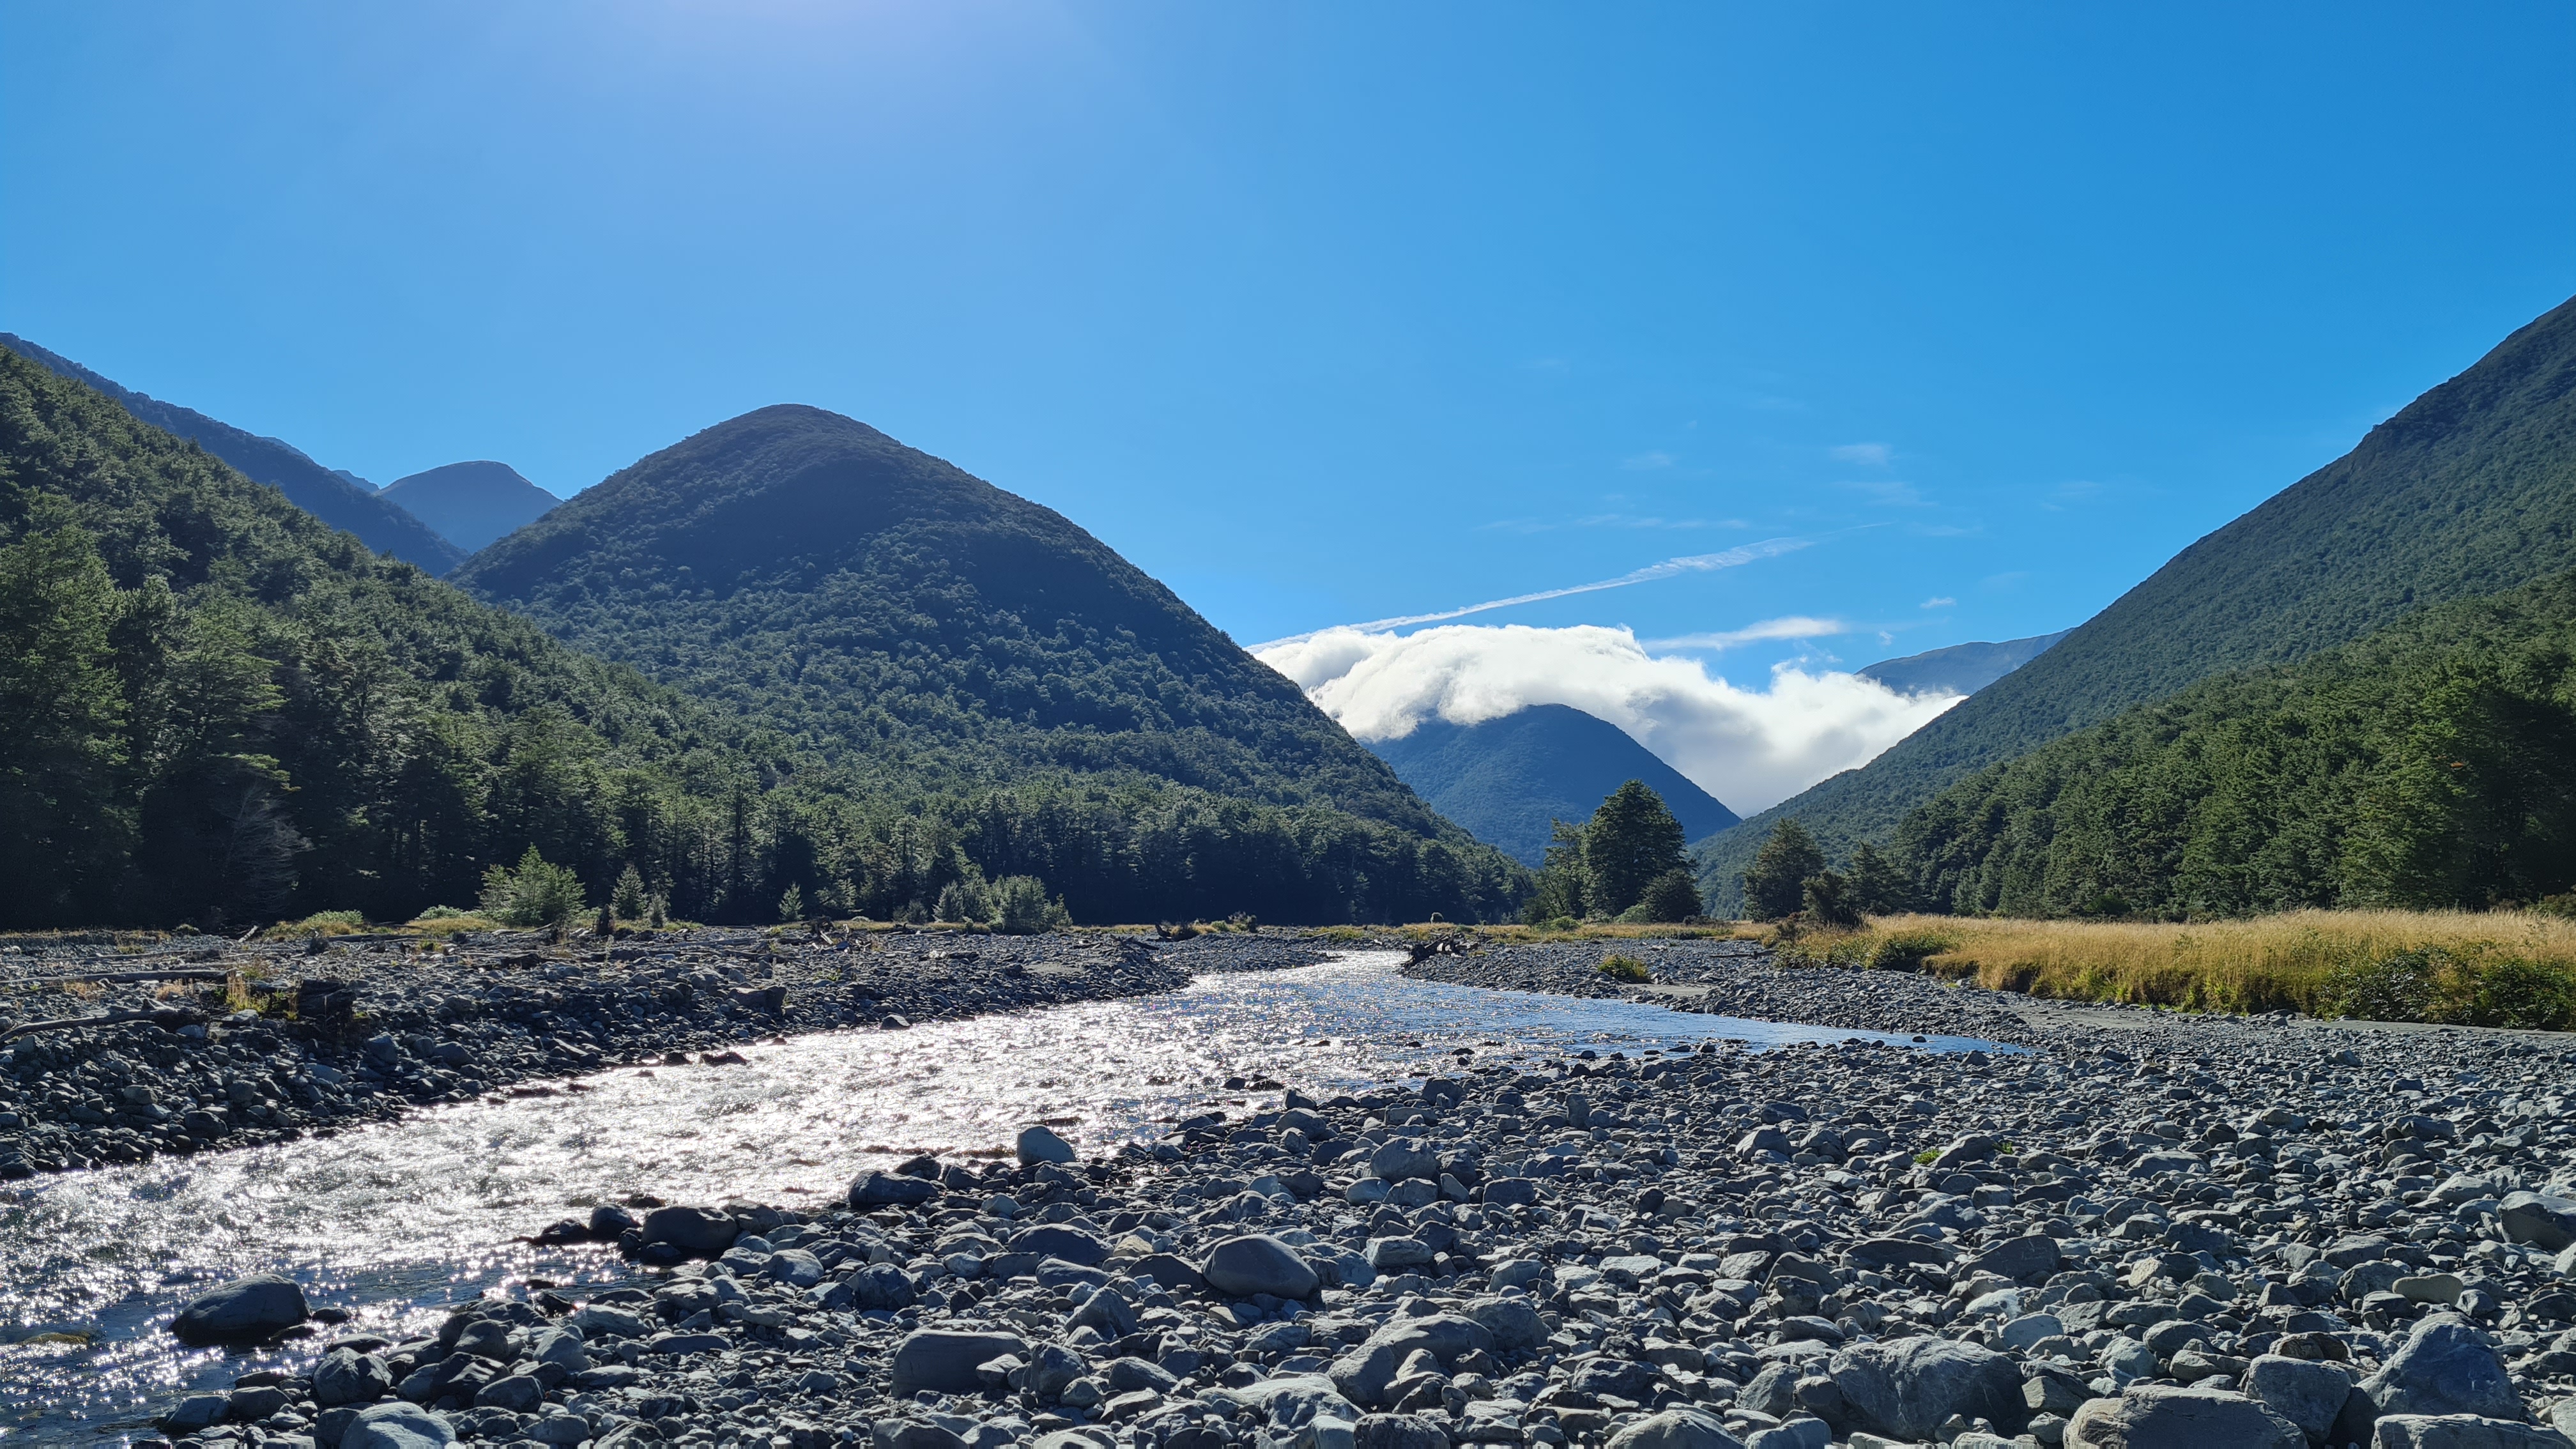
{"points": [[393, 1221]]}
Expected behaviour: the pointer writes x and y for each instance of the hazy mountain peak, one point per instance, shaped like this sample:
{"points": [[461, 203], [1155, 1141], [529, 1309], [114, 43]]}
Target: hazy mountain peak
{"points": [[472, 504]]}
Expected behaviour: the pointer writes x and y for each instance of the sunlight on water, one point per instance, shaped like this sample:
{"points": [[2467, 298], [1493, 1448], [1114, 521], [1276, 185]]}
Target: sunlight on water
{"points": [[393, 1220]]}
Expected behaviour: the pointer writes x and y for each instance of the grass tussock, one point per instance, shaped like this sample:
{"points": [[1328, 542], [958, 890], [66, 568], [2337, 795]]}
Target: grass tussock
{"points": [[2469, 968]]}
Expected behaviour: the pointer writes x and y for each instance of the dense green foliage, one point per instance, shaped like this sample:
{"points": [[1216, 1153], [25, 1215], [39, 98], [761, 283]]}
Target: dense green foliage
{"points": [[1775, 884], [1506, 779], [2469, 491], [1672, 896], [535, 894], [2430, 764], [379, 522], [1606, 867], [214, 708], [988, 677]]}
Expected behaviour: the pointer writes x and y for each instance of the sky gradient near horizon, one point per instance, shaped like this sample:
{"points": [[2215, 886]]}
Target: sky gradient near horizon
{"points": [[1904, 325]]}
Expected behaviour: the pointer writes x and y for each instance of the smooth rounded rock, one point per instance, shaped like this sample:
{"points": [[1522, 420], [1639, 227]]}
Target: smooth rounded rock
{"points": [[944, 1360], [2448, 1365], [1255, 1263], [1676, 1429], [244, 1308], [346, 1376], [398, 1426], [2155, 1416], [1040, 1144], [699, 1232], [1907, 1388], [874, 1189]]}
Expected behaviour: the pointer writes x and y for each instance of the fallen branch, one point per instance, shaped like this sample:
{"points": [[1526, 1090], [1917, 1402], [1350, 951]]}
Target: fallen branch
{"points": [[167, 1019]]}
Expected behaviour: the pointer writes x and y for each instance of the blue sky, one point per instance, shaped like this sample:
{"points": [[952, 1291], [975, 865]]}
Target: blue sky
{"points": [[1331, 313]]}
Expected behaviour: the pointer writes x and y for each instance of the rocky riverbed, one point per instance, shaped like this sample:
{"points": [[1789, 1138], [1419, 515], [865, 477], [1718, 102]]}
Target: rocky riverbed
{"points": [[2145, 1230], [117, 1054]]}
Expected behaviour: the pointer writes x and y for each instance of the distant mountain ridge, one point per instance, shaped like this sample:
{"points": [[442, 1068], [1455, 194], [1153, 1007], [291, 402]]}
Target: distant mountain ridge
{"points": [[2469, 490], [472, 504], [1507, 779], [1960, 668], [328, 494], [922, 632]]}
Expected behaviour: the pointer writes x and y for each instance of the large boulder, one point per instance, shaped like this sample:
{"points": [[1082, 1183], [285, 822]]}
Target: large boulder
{"points": [[1402, 1158], [2447, 1366], [1039, 1144], [2462, 1431], [1513, 1321], [1905, 1388], [699, 1232], [2540, 1220], [2026, 1259], [1054, 1240], [398, 1426], [2303, 1391], [876, 1189], [1254, 1263], [1362, 1373], [2160, 1416], [252, 1307], [943, 1360], [1676, 1429], [346, 1376]]}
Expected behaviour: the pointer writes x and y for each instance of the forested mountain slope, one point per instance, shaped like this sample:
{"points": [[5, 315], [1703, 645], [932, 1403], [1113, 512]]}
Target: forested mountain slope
{"points": [[2470, 490], [919, 632], [2431, 763], [214, 707], [1508, 780], [335, 497]]}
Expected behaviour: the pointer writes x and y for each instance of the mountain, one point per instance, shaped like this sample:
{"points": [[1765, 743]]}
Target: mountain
{"points": [[471, 504], [2470, 490], [918, 633], [1506, 780], [213, 707], [1961, 668], [337, 498], [2429, 764]]}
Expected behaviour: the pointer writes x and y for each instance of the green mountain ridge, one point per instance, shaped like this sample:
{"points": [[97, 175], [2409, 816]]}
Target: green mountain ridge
{"points": [[338, 498], [916, 631], [215, 707], [2469, 490], [2431, 763], [1507, 780]]}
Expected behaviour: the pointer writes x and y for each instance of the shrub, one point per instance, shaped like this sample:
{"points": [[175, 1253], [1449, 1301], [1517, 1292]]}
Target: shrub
{"points": [[1907, 950], [791, 906], [2400, 986], [628, 900], [966, 900], [1672, 896], [1828, 901], [536, 894], [1021, 907], [320, 923], [1623, 968], [2516, 992]]}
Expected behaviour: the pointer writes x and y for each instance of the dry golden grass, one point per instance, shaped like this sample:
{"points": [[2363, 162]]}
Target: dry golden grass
{"points": [[1602, 931], [2487, 968]]}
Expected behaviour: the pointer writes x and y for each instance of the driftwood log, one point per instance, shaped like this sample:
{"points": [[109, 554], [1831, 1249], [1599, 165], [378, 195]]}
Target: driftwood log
{"points": [[166, 1019]]}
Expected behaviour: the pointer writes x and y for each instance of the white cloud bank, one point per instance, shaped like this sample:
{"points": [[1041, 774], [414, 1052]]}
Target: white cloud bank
{"points": [[1750, 748]]}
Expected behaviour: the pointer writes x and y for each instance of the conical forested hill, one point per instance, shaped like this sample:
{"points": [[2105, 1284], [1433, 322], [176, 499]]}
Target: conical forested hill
{"points": [[2469, 491], [922, 633], [215, 708]]}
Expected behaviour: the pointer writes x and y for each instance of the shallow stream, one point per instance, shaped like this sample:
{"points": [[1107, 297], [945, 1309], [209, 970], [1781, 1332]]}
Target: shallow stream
{"points": [[393, 1221]]}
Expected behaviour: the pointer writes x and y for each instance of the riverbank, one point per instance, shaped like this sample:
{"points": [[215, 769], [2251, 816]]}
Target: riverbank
{"points": [[179, 1047], [2268, 1231]]}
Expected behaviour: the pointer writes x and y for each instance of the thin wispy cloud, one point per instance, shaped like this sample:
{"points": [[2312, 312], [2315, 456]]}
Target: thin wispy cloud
{"points": [[1937, 601], [1875, 454], [1699, 563], [2080, 490], [1795, 626], [1646, 461]]}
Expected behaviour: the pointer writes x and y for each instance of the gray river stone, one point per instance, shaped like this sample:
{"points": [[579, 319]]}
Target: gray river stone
{"points": [[346, 1376], [2539, 1219], [2161, 1416], [1254, 1263], [1908, 1388], [398, 1426], [700, 1232], [251, 1307], [944, 1360], [2447, 1366], [890, 1189]]}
